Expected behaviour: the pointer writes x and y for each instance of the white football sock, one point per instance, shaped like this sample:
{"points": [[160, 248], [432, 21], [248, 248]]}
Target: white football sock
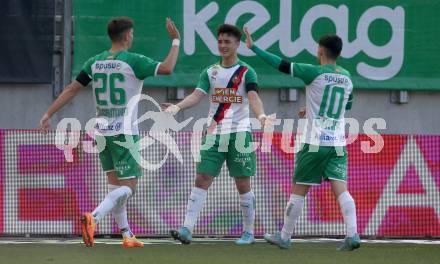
{"points": [[348, 209], [120, 215], [291, 215], [247, 205], [195, 204], [115, 198]]}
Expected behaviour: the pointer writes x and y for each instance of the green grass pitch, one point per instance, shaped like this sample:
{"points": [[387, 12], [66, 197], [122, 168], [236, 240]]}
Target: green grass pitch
{"points": [[212, 252]]}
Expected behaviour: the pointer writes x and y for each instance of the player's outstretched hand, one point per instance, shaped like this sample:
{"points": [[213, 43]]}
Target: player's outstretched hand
{"points": [[302, 112], [164, 106], [170, 108], [249, 41], [172, 29], [267, 121], [45, 123]]}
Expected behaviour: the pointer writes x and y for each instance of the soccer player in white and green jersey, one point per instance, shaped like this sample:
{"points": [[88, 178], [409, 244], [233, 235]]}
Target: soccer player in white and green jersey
{"points": [[231, 86], [117, 76], [328, 94]]}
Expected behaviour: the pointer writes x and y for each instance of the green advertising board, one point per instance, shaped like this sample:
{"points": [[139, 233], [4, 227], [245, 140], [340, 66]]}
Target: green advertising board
{"points": [[387, 44]]}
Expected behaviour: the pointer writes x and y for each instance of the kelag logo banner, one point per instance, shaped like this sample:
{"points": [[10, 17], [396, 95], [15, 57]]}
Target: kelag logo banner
{"points": [[387, 44]]}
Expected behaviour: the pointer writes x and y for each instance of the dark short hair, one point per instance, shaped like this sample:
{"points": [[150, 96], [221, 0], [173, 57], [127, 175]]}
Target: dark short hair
{"points": [[230, 30], [117, 26], [332, 44]]}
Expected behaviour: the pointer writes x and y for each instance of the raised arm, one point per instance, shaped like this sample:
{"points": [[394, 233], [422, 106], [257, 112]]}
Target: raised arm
{"points": [[167, 66], [271, 59]]}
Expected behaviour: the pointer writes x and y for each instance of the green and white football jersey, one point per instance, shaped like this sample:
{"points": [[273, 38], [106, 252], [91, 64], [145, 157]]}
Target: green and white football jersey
{"points": [[328, 94], [227, 89], [116, 79]]}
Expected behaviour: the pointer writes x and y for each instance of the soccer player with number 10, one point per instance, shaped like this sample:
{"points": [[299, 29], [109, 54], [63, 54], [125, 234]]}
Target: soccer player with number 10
{"points": [[324, 155]]}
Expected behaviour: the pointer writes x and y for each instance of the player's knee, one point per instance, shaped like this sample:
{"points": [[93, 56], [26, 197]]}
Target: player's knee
{"points": [[300, 189], [203, 181], [133, 187], [133, 190], [120, 195], [338, 187], [243, 185], [130, 183]]}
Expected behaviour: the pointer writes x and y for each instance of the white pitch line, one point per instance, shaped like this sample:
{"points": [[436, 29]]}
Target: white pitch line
{"points": [[107, 241]]}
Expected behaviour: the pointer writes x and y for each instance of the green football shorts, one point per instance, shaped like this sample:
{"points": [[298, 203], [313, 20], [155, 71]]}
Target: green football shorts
{"points": [[118, 158], [235, 148], [313, 163]]}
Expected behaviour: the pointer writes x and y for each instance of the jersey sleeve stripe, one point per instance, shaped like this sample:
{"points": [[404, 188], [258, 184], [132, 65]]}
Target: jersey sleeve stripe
{"points": [[198, 88], [157, 68]]}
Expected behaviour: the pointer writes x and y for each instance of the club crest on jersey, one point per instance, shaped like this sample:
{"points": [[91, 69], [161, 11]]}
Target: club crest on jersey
{"points": [[236, 80], [213, 75]]}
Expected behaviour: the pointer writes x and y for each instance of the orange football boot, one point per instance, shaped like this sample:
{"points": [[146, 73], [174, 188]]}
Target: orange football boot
{"points": [[131, 242], [88, 229]]}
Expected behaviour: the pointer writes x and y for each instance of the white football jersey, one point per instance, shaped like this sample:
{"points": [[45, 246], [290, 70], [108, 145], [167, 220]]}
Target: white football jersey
{"points": [[328, 94], [116, 79], [227, 90]]}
